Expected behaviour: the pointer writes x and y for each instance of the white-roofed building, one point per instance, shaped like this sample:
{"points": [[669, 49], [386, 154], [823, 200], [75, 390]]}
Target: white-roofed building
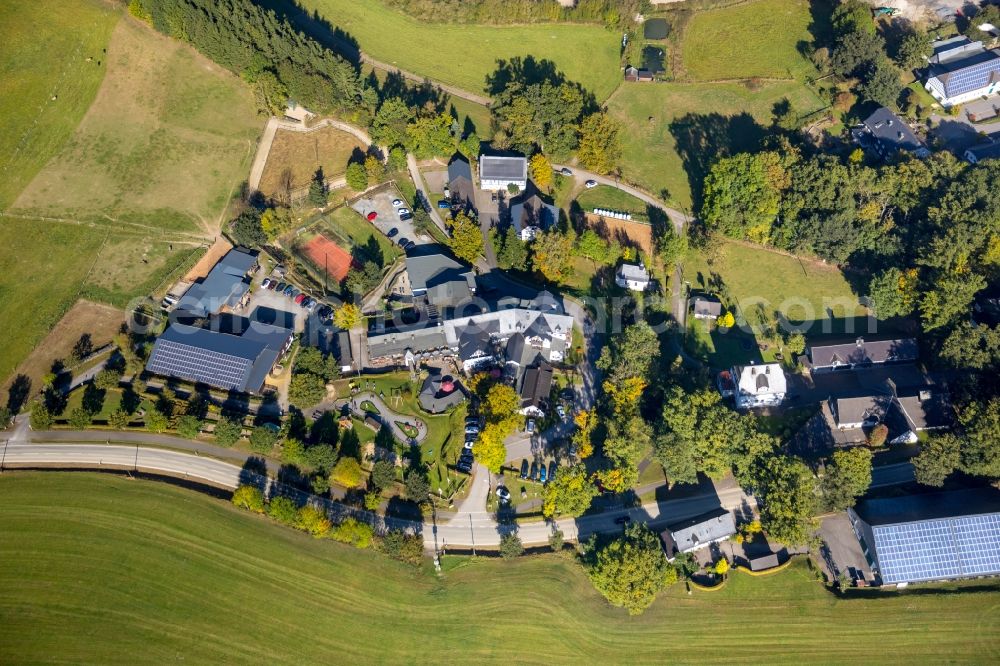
{"points": [[632, 276], [497, 172], [759, 385]]}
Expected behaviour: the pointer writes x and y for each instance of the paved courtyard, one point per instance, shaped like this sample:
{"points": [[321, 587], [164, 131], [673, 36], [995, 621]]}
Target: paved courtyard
{"points": [[388, 217]]}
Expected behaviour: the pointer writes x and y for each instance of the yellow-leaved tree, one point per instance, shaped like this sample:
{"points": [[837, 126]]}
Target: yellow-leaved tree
{"points": [[347, 316]]}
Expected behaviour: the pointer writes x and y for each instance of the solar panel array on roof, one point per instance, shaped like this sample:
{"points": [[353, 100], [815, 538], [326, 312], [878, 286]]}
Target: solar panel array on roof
{"points": [[971, 78], [938, 549], [174, 359]]}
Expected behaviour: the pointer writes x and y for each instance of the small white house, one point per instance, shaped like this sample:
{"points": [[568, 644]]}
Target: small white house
{"points": [[759, 385], [499, 172], [632, 276], [297, 112]]}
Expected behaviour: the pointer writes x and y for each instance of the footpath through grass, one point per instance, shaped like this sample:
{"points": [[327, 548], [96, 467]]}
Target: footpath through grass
{"points": [[462, 55], [99, 568], [51, 65]]}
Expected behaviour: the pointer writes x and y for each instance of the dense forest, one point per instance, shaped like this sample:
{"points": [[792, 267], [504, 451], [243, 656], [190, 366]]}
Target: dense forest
{"points": [[261, 46]]}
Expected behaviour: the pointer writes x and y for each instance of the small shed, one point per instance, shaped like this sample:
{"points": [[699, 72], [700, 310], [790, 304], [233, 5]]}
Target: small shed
{"points": [[764, 563], [706, 308]]}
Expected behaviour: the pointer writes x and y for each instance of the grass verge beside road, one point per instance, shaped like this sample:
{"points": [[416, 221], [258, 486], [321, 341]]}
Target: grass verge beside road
{"points": [[135, 567]]}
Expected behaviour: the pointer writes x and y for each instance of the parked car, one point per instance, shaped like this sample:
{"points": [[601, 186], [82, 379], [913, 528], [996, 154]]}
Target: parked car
{"points": [[392, 232], [542, 474], [265, 283], [273, 285], [524, 468], [291, 291], [566, 172], [312, 305], [406, 216], [408, 244], [298, 299], [325, 313], [469, 443], [402, 239], [280, 270], [471, 429], [591, 184], [397, 203], [402, 211], [534, 472], [281, 286], [371, 216], [503, 493], [530, 427], [561, 411], [471, 420], [572, 450], [444, 203], [552, 471]]}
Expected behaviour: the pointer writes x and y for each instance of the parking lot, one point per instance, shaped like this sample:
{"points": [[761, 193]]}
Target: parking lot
{"points": [[387, 218], [271, 307]]}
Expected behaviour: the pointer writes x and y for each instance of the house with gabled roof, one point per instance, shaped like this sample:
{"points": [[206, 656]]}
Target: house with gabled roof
{"points": [[461, 189], [861, 353], [498, 172], [226, 288], [530, 215], [962, 70]]}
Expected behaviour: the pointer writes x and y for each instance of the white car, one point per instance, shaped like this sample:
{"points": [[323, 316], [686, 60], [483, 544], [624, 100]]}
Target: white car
{"points": [[591, 184], [561, 411], [403, 211], [503, 493], [396, 203]]}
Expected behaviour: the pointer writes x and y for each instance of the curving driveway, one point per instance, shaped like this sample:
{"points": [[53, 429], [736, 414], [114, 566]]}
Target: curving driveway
{"points": [[386, 415]]}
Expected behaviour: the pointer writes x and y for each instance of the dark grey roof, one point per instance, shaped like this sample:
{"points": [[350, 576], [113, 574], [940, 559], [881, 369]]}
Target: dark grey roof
{"points": [[945, 49], [495, 167], [765, 562], [927, 409], [532, 211], [891, 132], [862, 351], [536, 385], [870, 408], [222, 360], [450, 293], [705, 306], [931, 506], [431, 397], [986, 151], [520, 352], [475, 340], [459, 168], [428, 266], [699, 531], [224, 285], [344, 351], [396, 343]]}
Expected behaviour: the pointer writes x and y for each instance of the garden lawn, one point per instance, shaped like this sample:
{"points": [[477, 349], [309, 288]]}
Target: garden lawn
{"points": [[47, 45], [133, 567], [611, 198], [801, 289], [753, 39], [112, 401], [462, 55], [164, 146], [677, 130]]}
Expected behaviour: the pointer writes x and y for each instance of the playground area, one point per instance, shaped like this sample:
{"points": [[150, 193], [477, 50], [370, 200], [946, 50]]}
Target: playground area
{"points": [[327, 256]]}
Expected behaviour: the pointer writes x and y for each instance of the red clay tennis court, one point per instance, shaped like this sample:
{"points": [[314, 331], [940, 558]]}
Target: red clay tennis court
{"points": [[324, 253]]}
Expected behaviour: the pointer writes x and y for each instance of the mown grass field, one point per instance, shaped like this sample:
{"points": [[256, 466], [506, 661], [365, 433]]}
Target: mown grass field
{"points": [[802, 289], [45, 52], [676, 130], [163, 146], [462, 55], [44, 267], [100, 569], [611, 198], [752, 39]]}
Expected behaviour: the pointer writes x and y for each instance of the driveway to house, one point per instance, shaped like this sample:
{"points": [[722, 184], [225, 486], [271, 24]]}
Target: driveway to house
{"points": [[677, 217], [418, 182]]}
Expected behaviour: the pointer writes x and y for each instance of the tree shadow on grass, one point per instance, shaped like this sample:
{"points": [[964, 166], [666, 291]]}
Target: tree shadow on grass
{"points": [[18, 393], [704, 138]]}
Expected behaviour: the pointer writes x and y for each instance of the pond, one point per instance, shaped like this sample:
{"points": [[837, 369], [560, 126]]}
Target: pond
{"points": [[652, 59], [657, 28]]}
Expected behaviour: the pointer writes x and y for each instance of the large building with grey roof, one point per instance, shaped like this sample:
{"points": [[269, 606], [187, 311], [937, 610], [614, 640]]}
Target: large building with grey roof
{"points": [[498, 172], [695, 533], [962, 70], [225, 288], [939, 536], [861, 353], [222, 360]]}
